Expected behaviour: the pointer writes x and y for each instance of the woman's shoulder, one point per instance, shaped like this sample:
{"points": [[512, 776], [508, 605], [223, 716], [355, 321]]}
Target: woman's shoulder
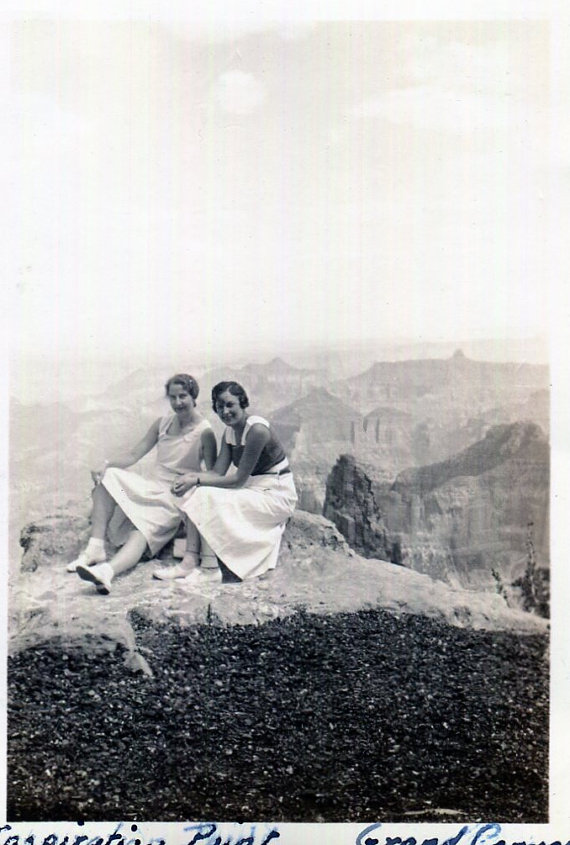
{"points": [[229, 435], [162, 424], [204, 426], [259, 425], [201, 427], [255, 420]]}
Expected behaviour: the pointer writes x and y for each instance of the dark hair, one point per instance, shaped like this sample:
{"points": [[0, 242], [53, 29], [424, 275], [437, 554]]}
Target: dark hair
{"points": [[231, 387], [189, 384]]}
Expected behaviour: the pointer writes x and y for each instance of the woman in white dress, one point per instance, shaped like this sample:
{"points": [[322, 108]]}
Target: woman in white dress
{"points": [[241, 515], [148, 512]]}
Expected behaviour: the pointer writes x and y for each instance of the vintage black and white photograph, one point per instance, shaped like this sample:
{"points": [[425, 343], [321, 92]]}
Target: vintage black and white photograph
{"points": [[279, 419]]}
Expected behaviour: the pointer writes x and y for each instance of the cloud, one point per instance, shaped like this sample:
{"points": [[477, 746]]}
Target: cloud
{"points": [[239, 92]]}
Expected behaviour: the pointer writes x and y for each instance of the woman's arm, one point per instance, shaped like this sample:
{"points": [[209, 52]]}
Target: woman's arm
{"points": [[257, 438], [185, 482], [127, 459], [209, 447], [224, 458]]}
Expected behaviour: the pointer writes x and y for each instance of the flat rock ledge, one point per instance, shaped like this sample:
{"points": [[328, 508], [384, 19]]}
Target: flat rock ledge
{"points": [[317, 573]]}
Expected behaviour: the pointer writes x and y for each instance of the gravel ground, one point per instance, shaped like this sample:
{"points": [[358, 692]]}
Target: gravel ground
{"points": [[342, 718]]}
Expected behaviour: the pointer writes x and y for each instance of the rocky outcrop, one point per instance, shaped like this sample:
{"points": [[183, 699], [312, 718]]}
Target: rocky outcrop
{"points": [[317, 572], [52, 538], [320, 418], [471, 520], [351, 504]]}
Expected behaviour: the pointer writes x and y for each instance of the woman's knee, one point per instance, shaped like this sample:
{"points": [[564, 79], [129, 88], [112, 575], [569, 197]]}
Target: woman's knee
{"points": [[100, 493]]}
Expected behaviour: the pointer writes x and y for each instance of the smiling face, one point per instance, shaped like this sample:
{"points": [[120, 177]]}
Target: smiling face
{"points": [[229, 410], [180, 400]]}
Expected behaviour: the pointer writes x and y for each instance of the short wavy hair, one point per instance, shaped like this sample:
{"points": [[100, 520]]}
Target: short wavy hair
{"points": [[189, 384], [232, 387]]}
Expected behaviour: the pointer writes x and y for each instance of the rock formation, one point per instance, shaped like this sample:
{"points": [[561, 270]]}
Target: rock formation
{"points": [[402, 414], [317, 572], [470, 386], [269, 385], [315, 430], [351, 504], [468, 520]]}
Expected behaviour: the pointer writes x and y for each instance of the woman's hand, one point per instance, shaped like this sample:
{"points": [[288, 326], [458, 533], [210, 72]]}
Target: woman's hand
{"points": [[184, 483]]}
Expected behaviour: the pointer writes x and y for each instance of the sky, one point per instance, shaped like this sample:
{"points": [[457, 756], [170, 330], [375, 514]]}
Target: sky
{"points": [[217, 184]]}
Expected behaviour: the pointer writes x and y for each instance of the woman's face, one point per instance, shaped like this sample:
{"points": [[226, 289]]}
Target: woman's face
{"points": [[180, 400], [228, 409]]}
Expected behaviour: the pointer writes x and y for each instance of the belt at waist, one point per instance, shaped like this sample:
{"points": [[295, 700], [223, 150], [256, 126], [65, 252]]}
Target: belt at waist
{"points": [[281, 471]]}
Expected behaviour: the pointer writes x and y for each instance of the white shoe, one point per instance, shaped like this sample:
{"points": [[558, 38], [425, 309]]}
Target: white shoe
{"points": [[171, 572], [86, 559], [204, 576], [98, 575]]}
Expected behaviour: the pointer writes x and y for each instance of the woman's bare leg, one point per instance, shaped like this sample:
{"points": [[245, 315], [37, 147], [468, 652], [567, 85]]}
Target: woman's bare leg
{"points": [[103, 507], [209, 559], [126, 558], [130, 554], [209, 571], [211, 562], [102, 511], [191, 557]]}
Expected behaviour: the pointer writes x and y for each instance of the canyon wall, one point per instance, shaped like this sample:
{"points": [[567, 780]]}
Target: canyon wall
{"points": [[472, 520]]}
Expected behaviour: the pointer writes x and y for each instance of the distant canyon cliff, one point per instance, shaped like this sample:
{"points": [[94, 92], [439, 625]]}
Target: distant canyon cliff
{"points": [[471, 520], [404, 414]]}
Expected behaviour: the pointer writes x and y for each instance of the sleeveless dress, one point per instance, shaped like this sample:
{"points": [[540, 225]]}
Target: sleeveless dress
{"points": [[147, 502], [244, 526]]}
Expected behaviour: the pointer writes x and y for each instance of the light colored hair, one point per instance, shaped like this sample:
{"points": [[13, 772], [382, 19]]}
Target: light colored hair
{"points": [[189, 384]]}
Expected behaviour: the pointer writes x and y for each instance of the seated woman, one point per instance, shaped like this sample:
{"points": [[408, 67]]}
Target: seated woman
{"points": [[240, 516], [149, 513]]}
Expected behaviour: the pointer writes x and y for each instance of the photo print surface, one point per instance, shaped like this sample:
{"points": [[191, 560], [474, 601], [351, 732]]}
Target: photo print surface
{"points": [[345, 218]]}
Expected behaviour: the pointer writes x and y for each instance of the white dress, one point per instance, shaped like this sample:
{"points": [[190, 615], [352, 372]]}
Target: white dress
{"points": [[244, 526], [147, 503]]}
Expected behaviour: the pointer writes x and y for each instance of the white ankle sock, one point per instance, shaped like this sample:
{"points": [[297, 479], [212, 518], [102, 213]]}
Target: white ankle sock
{"points": [[106, 569], [209, 562], [95, 545]]}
